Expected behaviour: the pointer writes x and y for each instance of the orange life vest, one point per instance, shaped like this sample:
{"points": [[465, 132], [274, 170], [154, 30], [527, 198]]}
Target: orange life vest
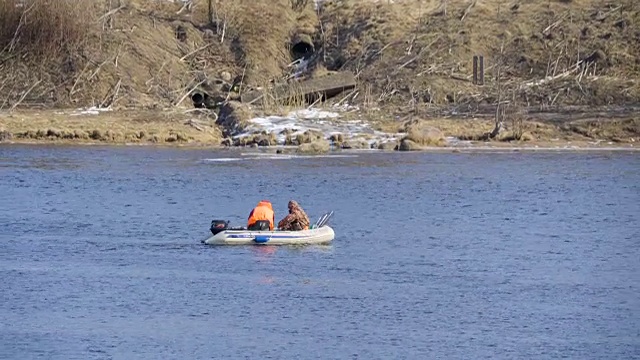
{"points": [[262, 211]]}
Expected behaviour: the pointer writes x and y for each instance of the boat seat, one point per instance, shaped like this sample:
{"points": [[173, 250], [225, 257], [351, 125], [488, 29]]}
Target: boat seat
{"points": [[260, 225]]}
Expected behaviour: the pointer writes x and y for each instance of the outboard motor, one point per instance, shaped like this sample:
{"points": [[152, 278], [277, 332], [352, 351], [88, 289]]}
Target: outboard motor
{"points": [[218, 226]]}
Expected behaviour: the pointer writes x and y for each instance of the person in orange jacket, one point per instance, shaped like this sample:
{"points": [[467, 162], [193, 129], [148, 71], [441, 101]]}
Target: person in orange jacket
{"points": [[262, 212]]}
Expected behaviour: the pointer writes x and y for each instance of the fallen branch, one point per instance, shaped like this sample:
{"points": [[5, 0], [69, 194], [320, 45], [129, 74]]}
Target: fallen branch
{"points": [[194, 124], [345, 98], [418, 55], [16, 36], [24, 95], [551, 78], [409, 61], [552, 26], [385, 48], [116, 90], [195, 51], [466, 12], [556, 97], [6, 99], [189, 92], [459, 77], [203, 111], [605, 15], [72, 91], [107, 14], [186, 6], [315, 102], [9, 57], [97, 70]]}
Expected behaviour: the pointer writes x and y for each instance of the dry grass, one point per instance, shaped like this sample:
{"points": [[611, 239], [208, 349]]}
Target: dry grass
{"points": [[410, 54], [280, 104], [140, 127], [529, 129], [45, 27], [615, 130], [421, 51], [130, 57], [259, 32]]}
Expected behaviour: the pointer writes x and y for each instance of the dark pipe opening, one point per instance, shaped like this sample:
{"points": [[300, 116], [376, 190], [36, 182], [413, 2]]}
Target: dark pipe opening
{"points": [[302, 46], [198, 99], [301, 49]]}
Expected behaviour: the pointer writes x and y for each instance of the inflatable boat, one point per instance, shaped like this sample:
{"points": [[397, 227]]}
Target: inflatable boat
{"points": [[318, 233]]}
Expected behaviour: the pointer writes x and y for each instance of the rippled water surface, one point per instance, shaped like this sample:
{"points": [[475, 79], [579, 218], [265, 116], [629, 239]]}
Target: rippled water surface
{"points": [[436, 256]]}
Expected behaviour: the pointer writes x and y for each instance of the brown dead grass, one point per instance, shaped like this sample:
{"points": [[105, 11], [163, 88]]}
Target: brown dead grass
{"points": [[137, 127], [410, 54], [615, 130], [45, 27], [132, 55], [260, 33], [624, 130], [420, 51]]}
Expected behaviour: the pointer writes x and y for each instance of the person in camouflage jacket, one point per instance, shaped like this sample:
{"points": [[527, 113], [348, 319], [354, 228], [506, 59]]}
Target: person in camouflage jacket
{"points": [[296, 220]]}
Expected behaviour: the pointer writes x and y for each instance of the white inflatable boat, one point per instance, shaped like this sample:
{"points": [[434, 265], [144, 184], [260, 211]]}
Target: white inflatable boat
{"points": [[319, 233]]}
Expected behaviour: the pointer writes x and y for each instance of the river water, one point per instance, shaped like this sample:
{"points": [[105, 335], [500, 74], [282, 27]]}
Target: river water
{"points": [[436, 256]]}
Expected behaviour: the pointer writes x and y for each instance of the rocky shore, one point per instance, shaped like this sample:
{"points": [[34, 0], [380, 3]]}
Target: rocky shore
{"points": [[316, 131]]}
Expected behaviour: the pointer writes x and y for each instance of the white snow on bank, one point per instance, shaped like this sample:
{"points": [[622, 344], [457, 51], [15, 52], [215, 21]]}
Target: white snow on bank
{"points": [[313, 114], [327, 122], [454, 141], [90, 111]]}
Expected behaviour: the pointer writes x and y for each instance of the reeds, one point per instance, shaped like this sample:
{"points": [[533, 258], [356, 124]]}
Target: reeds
{"points": [[44, 27]]}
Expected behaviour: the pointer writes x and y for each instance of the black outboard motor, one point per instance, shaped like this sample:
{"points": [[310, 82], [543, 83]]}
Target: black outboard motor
{"points": [[218, 226]]}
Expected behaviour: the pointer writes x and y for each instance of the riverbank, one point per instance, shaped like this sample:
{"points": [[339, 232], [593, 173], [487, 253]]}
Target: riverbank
{"points": [[403, 74], [360, 130], [100, 126]]}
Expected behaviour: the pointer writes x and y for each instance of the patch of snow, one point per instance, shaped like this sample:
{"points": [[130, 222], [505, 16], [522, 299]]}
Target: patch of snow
{"points": [[327, 122], [454, 141], [345, 107], [300, 67], [90, 111], [313, 114]]}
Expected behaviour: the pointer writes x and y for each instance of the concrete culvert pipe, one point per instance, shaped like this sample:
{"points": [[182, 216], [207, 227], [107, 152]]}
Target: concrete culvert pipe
{"points": [[198, 99], [302, 46]]}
